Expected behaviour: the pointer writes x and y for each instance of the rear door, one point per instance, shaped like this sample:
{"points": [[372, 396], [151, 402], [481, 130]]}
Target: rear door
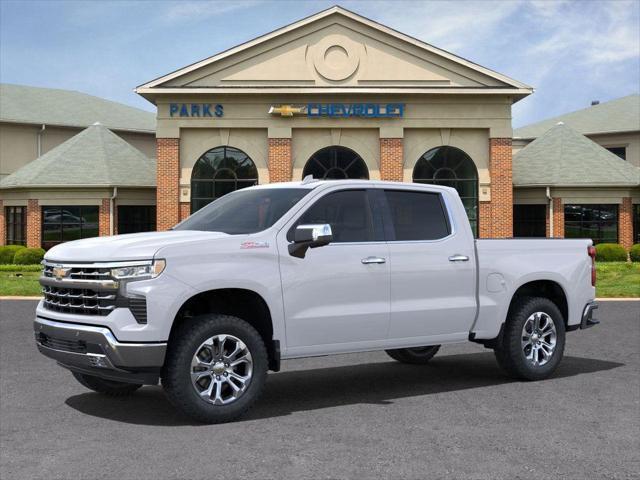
{"points": [[337, 297], [432, 267]]}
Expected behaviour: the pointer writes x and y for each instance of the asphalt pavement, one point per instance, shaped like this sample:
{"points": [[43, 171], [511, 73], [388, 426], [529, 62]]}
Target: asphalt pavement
{"points": [[349, 416]]}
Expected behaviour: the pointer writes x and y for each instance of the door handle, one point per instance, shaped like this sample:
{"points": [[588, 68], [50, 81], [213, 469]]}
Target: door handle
{"points": [[458, 258], [369, 260]]}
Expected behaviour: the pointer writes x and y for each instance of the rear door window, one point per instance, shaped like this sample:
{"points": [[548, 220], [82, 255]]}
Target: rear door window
{"points": [[417, 215]]}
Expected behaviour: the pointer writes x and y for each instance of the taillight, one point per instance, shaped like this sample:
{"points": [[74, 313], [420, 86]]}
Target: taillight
{"points": [[591, 250]]}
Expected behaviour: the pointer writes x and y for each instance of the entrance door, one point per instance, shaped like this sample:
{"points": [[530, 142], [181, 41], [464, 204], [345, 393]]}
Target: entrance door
{"points": [[337, 297], [432, 269]]}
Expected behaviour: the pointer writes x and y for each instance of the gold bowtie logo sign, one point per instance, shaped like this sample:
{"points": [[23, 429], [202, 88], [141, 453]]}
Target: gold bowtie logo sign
{"points": [[287, 110], [60, 272]]}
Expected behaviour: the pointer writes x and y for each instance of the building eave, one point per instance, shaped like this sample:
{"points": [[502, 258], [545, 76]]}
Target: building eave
{"points": [[318, 16]]}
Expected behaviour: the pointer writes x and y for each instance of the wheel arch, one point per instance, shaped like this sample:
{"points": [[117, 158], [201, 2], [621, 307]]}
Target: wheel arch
{"points": [[544, 288], [239, 302]]}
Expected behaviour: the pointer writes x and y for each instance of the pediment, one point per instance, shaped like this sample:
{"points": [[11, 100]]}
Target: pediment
{"points": [[335, 49]]}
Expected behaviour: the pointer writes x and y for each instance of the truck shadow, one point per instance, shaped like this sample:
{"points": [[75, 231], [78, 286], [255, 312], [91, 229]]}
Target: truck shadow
{"points": [[294, 391]]}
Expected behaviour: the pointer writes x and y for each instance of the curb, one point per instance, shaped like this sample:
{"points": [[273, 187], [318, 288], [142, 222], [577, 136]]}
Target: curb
{"points": [[618, 299], [16, 297]]}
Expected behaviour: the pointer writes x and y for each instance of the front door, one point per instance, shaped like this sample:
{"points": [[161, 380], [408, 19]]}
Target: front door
{"points": [[337, 297], [432, 269]]}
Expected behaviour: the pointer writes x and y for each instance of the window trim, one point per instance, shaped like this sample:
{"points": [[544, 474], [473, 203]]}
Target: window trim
{"points": [[61, 224], [583, 205], [23, 224], [388, 221], [377, 232]]}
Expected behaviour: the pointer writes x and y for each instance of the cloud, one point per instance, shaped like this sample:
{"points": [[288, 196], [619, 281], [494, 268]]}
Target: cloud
{"points": [[595, 34], [201, 10]]}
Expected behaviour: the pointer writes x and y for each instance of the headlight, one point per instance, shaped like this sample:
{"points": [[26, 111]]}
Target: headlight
{"points": [[139, 272]]}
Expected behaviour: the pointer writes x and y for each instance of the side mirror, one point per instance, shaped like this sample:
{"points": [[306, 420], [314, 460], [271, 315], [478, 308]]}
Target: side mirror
{"points": [[309, 236]]}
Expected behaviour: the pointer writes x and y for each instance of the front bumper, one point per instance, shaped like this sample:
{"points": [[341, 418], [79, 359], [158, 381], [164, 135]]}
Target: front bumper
{"points": [[95, 351]]}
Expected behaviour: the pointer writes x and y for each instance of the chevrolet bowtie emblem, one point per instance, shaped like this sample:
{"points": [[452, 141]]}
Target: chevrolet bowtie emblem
{"points": [[60, 272], [286, 110]]}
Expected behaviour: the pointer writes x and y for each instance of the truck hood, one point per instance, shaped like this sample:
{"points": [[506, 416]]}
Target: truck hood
{"points": [[135, 246]]}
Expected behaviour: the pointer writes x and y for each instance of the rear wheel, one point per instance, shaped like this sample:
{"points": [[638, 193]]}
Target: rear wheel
{"points": [[216, 368], [533, 340], [106, 387], [416, 355]]}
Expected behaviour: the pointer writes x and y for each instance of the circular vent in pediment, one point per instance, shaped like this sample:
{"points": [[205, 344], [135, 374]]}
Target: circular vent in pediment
{"points": [[336, 57]]}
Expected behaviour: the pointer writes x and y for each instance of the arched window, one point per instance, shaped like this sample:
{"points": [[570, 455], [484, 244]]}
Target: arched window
{"points": [[336, 163], [451, 167], [219, 171]]}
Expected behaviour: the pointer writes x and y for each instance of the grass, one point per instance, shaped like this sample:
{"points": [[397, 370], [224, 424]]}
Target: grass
{"points": [[615, 279], [618, 279], [19, 280]]}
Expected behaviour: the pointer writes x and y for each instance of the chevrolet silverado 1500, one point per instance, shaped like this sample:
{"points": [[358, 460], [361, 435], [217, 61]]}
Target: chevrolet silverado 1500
{"points": [[303, 269]]}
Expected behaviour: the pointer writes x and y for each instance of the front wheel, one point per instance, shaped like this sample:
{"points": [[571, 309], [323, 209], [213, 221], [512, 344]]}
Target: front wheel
{"points": [[415, 356], [533, 339], [106, 387], [216, 368]]}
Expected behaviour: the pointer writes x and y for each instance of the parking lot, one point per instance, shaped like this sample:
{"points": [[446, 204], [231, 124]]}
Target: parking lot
{"points": [[350, 416]]}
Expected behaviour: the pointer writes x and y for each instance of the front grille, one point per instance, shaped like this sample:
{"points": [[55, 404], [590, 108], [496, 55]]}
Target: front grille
{"points": [[83, 301], [73, 346], [81, 273]]}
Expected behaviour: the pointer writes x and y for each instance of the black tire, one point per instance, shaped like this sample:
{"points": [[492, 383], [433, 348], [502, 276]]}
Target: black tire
{"points": [[415, 356], [106, 387], [510, 354], [176, 375]]}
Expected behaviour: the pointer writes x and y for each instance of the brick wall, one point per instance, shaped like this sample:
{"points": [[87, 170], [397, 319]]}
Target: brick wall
{"points": [[391, 159], [625, 223], [185, 210], [280, 160], [484, 220], [547, 223], [168, 179], [501, 172], [3, 225], [103, 218], [558, 218], [34, 224]]}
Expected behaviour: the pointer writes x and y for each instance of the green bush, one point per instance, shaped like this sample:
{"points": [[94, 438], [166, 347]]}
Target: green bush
{"points": [[610, 252], [29, 256], [634, 253], [8, 252]]}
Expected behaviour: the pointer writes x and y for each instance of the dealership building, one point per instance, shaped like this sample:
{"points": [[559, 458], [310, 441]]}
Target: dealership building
{"points": [[336, 96]]}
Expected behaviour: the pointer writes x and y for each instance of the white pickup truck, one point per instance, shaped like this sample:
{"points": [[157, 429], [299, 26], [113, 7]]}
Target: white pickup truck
{"points": [[303, 269]]}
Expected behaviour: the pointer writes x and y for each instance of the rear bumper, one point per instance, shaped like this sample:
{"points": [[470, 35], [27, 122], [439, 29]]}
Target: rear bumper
{"points": [[587, 315], [95, 351], [587, 320]]}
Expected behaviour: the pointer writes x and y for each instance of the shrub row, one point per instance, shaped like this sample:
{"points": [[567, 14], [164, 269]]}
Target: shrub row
{"points": [[20, 255], [614, 252]]}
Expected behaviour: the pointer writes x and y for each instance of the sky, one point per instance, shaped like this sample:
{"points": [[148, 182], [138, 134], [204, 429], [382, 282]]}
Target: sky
{"points": [[571, 52]]}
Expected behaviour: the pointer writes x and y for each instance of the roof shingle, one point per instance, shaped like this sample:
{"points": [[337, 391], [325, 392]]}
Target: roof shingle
{"points": [[49, 106], [563, 157], [619, 115], [95, 157]]}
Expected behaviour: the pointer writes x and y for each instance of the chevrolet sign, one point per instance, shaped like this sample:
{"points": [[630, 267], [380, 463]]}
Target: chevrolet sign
{"points": [[341, 110]]}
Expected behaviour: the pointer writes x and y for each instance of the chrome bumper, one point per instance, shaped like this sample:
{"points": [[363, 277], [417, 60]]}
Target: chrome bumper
{"points": [[95, 351], [587, 316]]}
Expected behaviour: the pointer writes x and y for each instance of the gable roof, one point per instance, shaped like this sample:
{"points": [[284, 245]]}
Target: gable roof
{"points": [[167, 83], [564, 157], [619, 115], [51, 106], [95, 157]]}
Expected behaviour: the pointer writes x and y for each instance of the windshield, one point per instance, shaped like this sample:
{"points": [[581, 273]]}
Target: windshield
{"points": [[244, 211]]}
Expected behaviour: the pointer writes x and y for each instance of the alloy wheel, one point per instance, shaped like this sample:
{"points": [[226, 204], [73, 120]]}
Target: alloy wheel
{"points": [[221, 369]]}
